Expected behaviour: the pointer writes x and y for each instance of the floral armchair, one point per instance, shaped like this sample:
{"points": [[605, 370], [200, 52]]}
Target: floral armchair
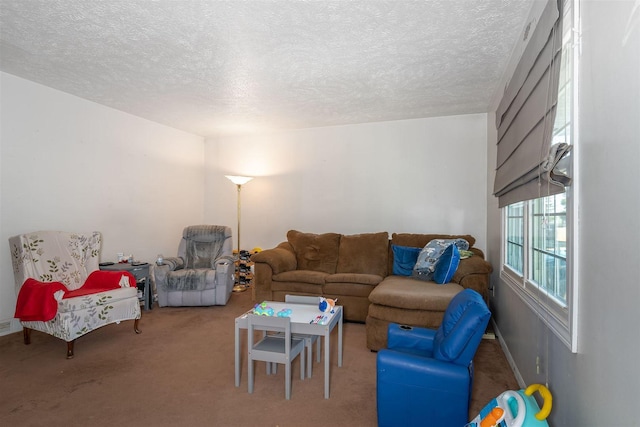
{"points": [[62, 292]]}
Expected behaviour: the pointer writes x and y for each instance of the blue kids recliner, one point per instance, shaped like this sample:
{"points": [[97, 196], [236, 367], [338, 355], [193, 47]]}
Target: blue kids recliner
{"points": [[424, 377]]}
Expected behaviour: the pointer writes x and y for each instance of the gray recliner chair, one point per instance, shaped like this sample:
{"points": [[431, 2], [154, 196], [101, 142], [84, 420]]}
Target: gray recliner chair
{"points": [[202, 273]]}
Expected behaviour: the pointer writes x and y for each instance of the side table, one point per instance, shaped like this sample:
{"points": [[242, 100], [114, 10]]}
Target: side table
{"points": [[139, 270]]}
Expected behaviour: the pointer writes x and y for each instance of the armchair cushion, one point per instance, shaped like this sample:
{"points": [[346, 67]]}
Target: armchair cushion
{"points": [[102, 281], [462, 327], [194, 279], [203, 244]]}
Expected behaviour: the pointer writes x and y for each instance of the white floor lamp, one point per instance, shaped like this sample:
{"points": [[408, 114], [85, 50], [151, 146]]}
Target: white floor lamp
{"points": [[239, 181]]}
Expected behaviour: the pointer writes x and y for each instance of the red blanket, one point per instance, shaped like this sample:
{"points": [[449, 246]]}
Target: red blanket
{"points": [[37, 303], [100, 281]]}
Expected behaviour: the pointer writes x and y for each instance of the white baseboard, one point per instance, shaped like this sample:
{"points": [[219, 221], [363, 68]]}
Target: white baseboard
{"points": [[507, 354], [9, 326]]}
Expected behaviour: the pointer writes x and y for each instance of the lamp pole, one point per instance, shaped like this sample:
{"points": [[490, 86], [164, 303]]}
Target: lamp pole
{"points": [[238, 212], [239, 181]]}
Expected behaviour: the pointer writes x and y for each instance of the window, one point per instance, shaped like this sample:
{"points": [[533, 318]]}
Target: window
{"points": [[537, 252]]}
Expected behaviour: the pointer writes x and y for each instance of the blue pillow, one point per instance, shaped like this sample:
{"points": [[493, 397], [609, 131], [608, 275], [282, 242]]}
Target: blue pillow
{"points": [[447, 265], [404, 258]]}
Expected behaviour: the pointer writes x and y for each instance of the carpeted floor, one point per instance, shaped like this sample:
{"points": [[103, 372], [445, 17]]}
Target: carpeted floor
{"points": [[180, 372]]}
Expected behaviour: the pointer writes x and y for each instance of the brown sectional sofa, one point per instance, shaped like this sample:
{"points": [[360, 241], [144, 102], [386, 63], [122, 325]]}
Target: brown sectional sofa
{"points": [[356, 269]]}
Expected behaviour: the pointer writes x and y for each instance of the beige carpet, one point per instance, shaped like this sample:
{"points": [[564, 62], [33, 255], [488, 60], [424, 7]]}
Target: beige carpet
{"points": [[180, 372]]}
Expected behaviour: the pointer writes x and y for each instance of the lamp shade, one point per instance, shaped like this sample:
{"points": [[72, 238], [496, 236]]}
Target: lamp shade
{"points": [[239, 180]]}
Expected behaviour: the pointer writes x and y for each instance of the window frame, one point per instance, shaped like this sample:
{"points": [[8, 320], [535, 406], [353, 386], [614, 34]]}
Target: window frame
{"points": [[561, 320]]}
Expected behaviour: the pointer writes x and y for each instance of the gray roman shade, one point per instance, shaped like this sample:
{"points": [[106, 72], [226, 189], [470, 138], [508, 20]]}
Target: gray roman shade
{"points": [[526, 162]]}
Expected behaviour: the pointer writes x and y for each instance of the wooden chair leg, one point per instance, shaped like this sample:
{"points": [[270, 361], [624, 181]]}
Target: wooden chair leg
{"points": [[70, 349], [135, 326], [26, 334]]}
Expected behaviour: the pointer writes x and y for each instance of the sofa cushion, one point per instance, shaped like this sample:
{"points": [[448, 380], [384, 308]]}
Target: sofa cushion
{"points": [[364, 253], [447, 265], [284, 288], [353, 284], [315, 252], [413, 294], [404, 259], [365, 279], [338, 289], [301, 276]]}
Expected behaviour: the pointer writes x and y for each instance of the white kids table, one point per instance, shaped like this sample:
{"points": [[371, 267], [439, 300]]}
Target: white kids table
{"points": [[303, 321]]}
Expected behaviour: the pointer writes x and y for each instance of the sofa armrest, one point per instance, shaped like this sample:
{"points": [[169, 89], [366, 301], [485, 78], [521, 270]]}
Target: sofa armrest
{"points": [[160, 272], [477, 252], [473, 273], [267, 263], [281, 258], [225, 270], [172, 263]]}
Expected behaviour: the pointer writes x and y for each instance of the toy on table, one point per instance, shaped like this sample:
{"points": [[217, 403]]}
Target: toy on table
{"points": [[285, 312], [326, 305], [516, 409], [319, 320], [263, 309]]}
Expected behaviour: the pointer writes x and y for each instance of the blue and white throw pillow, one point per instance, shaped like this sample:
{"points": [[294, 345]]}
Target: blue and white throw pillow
{"points": [[426, 263]]}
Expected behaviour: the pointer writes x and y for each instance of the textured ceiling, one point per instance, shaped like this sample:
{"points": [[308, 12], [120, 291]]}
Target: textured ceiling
{"points": [[214, 67]]}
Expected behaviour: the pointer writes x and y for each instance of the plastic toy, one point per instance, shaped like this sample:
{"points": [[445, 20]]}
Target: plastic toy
{"points": [[285, 312], [326, 305], [516, 409], [263, 309]]}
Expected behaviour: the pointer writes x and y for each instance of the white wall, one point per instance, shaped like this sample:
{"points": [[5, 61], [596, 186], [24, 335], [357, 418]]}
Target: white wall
{"points": [[598, 385], [425, 175], [70, 164]]}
